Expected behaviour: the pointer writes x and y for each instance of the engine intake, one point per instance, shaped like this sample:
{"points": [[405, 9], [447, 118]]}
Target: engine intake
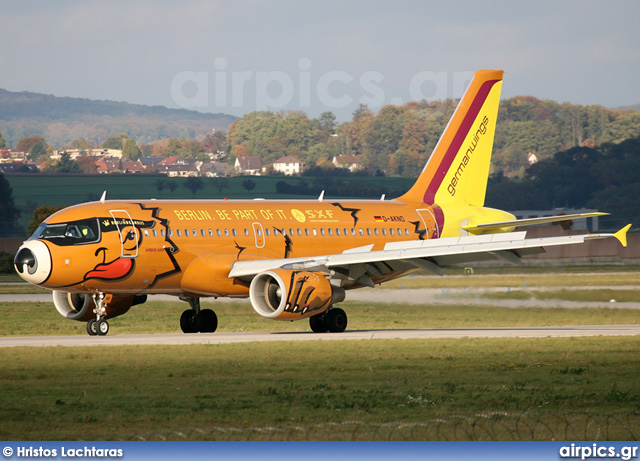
{"points": [[80, 306], [283, 294]]}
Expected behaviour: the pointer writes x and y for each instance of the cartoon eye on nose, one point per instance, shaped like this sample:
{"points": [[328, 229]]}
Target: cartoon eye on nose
{"points": [[33, 262]]}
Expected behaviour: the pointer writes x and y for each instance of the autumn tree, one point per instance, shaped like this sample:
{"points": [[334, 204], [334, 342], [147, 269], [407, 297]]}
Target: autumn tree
{"points": [[40, 214], [215, 142], [3, 143], [115, 142], [130, 149]]}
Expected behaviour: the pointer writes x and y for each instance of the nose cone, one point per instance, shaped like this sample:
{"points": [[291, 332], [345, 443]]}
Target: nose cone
{"points": [[33, 262]]}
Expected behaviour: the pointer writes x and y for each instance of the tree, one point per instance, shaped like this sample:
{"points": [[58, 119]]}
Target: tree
{"points": [[87, 165], [172, 186], [25, 144], [9, 213], [66, 165], [249, 184], [194, 184], [38, 152], [115, 142], [130, 149], [215, 142], [3, 143], [40, 214], [160, 184]]}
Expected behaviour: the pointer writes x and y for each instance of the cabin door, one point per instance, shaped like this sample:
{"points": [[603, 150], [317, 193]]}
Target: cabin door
{"points": [[258, 233], [129, 237]]}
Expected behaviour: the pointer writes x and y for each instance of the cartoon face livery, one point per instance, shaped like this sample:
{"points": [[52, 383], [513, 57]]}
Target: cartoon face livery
{"points": [[293, 259]]}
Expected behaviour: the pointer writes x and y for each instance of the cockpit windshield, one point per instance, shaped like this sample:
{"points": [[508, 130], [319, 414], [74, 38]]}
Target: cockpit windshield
{"points": [[73, 233]]}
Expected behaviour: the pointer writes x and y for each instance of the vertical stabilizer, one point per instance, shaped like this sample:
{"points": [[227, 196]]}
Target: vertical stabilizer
{"points": [[458, 169]]}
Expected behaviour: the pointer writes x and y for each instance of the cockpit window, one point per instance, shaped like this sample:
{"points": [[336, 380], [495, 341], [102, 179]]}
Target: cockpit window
{"points": [[73, 233]]}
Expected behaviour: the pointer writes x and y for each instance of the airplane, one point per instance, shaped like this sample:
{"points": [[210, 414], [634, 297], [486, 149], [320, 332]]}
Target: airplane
{"points": [[294, 259]]}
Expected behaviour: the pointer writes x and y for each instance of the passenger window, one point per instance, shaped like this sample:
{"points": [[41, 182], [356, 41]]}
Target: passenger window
{"points": [[337, 232], [306, 232], [353, 232], [291, 232], [226, 232], [322, 231], [235, 233], [155, 234], [202, 232], [406, 231], [299, 232], [267, 232], [399, 232], [368, 232], [391, 231], [218, 233], [146, 233], [246, 232], [315, 232], [170, 232], [376, 231], [210, 233], [178, 232], [361, 232], [162, 232], [384, 231]]}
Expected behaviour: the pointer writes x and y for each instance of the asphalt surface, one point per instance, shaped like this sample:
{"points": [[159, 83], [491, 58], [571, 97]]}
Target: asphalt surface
{"points": [[226, 338]]}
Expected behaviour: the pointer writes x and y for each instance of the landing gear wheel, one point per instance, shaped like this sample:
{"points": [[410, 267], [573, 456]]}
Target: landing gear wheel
{"points": [[207, 321], [91, 327], [102, 327], [188, 322], [335, 320], [317, 325]]}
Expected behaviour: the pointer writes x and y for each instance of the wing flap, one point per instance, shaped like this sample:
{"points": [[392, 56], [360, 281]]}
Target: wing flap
{"points": [[474, 228]]}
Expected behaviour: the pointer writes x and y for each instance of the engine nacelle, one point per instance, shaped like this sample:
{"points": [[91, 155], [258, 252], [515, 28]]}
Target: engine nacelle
{"points": [[80, 306], [284, 294]]}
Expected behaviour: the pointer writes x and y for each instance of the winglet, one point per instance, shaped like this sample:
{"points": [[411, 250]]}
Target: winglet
{"points": [[621, 235]]}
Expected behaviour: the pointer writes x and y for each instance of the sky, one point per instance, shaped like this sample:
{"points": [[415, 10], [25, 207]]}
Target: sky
{"points": [[238, 56]]}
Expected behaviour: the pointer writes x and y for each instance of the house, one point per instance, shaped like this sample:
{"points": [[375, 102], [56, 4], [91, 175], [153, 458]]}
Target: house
{"points": [[287, 165], [92, 152], [129, 166], [215, 169], [249, 165], [106, 165], [18, 167], [352, 162], [175, 170], [8, 155]]}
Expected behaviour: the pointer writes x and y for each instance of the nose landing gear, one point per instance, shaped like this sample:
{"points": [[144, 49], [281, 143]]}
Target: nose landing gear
{"points": [[98, 326]]}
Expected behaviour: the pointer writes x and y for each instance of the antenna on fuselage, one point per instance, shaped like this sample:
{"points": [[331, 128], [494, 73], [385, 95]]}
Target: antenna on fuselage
{"points": [[104, 197], [321, 197], [383, 197]]}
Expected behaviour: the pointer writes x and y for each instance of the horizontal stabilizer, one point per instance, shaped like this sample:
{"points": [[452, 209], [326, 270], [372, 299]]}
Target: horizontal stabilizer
{"points": [[478, 228]]}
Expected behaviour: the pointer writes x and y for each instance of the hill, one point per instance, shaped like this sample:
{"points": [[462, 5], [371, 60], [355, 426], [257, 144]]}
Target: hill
{"points": [[62, 119]]}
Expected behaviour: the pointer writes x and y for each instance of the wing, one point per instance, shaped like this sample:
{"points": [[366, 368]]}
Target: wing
{"points": [[362, 266]]}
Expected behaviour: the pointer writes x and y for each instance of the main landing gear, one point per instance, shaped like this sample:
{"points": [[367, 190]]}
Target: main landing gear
{"points": [[98, 326], [196, 320], [333, 320]]}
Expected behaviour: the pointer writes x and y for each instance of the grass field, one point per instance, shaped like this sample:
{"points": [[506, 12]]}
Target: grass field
{"points": [[560, 388], [138, 391]]}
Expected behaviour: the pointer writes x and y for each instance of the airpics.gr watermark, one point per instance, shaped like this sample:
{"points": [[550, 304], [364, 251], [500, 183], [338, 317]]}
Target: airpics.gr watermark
{"points": [[276, 89]]}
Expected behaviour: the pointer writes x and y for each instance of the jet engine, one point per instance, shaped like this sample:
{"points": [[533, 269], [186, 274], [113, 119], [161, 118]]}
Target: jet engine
{"points": [[80, 306], [284, 294]]}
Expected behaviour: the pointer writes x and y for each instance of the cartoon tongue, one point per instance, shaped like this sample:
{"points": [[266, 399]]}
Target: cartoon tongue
{"points": [[113, 270]]}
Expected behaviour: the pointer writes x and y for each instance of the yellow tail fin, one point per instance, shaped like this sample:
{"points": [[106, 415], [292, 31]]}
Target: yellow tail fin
{"points": [[458, 168]]}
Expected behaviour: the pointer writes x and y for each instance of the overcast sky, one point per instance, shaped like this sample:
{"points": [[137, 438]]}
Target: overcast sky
{"points": [[239, 56]]}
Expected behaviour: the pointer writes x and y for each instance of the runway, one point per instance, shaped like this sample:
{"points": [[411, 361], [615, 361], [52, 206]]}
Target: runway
{"points": [[228, 338]]}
